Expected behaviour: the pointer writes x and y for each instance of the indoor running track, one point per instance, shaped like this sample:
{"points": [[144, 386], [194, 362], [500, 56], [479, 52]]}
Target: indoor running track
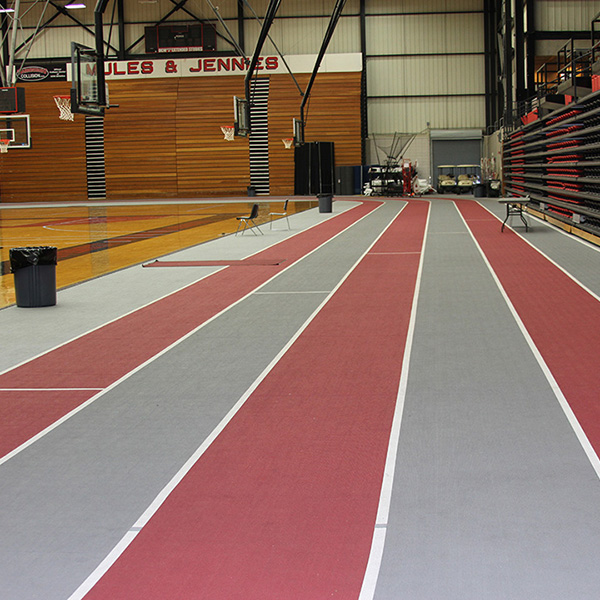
{"points": [[372, 408]]}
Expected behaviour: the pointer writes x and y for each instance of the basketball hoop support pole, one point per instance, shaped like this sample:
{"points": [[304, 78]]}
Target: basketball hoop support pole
{"points": [[99, 35], [335, 15], [10, 76], [274, 46], [264, 32]]}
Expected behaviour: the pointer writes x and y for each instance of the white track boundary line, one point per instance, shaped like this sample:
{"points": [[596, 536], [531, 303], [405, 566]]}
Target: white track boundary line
{"points": [[176, 291], [121, 546], [109, 322], [571, 418], [85, 404], [550, 260], [369, 584], [572, 236]]}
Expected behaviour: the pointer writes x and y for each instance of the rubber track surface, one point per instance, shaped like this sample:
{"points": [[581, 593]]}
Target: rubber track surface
{"points": [[283, 503]]}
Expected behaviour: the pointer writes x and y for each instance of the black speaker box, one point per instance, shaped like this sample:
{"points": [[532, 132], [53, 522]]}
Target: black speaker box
{"points": [[209, 37], [151, 39], [344, 181], [12, 100]]}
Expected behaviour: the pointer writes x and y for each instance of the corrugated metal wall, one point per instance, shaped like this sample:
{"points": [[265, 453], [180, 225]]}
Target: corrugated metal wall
{"points": [[425, 65], [559, 15], [304, 36], [425, 58]]}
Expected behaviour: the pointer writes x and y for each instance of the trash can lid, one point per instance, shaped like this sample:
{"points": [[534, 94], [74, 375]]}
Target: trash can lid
{"points": [[32, 255]]}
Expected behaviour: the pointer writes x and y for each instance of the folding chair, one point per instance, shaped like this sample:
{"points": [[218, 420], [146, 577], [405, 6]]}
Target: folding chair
{"points": [[249, 219], [281, 214]]}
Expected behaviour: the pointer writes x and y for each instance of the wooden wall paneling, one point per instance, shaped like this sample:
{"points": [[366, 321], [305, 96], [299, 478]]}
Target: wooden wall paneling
{"points": [[164, 140], [284, 105], [333, 115], [207, 164], [54, 168], [140, 139]]}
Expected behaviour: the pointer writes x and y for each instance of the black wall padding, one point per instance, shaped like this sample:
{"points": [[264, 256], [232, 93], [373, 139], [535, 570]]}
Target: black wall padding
{"points": [[314, 169]]}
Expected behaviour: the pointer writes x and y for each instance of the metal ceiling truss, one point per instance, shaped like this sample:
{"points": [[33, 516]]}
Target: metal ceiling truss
{"points": [[178, 6], [120, 50], [10, 50]]}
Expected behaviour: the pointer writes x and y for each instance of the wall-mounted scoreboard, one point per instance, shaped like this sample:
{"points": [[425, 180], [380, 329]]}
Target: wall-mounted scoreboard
{"points": [[186, 37]]}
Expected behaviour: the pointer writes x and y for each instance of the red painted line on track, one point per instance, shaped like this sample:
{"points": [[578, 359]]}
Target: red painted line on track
{"points": [[103, 356], [283, 504], [68, 221], [212, 263], [557, 312]]}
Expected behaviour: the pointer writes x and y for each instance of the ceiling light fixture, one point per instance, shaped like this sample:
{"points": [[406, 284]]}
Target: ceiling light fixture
{"points": [[72, 5]]}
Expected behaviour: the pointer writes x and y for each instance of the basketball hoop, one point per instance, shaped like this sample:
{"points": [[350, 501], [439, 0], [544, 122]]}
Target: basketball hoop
{"points": [[287, 142], [64, 106], [228, 132], [4, 146]]}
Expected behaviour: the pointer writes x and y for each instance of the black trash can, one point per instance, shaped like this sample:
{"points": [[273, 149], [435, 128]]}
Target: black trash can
{"points": [[251, 191], [325, 203], [479, 190], [34, 269]]}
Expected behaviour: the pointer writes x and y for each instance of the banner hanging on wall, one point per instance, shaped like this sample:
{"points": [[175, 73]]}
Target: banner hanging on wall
{"points": [[229, 65], [40, 71]]}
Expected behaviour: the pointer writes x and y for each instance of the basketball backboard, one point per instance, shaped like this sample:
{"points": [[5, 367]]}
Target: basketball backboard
{"points": [[85, 91], [15, 129], [298, 128], [241, 116]]}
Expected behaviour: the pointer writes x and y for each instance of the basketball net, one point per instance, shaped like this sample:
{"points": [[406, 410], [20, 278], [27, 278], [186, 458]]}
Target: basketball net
{"points": [[4, 146], [287, 142], [228, 132], [64, 106]]}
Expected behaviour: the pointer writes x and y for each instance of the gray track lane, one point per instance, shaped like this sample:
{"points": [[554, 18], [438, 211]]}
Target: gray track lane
{"points": [[493, 496], [79, 308], [579, 258], [69, 498]]}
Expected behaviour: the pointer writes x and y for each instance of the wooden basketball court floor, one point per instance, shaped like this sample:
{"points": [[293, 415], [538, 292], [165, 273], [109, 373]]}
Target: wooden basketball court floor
{"points": [[95, 238], [393, 400]]}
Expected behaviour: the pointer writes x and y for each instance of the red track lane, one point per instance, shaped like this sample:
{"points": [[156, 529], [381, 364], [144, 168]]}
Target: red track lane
{"points": [[24, 413], [559, 315], [283, 504], [103, 356]]}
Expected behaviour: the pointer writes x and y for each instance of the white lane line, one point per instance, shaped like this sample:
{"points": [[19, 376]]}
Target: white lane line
{"points": [[121, 546], [571, 418], [369, 584], [187, 285], [572, 236], [106, 323], [550, 260], [85, 404]]}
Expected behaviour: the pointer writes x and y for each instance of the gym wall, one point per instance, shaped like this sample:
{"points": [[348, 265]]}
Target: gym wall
{"points": [[165, 141]]}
